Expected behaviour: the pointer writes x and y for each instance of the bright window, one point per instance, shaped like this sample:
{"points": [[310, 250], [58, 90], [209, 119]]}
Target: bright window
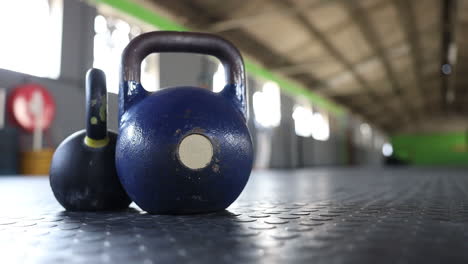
{"points": [[111, 37], [219, 80], [267, 105], [321, 127], [31, 33], [310, 124], [365, 132], [303, 121]]}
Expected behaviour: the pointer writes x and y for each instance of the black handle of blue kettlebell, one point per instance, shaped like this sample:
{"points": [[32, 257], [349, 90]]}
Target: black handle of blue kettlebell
{"points": [[190, 42], [96, 105]]}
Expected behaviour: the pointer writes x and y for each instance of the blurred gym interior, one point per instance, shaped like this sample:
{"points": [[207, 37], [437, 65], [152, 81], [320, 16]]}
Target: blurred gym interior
{"points": [[357, 113]]}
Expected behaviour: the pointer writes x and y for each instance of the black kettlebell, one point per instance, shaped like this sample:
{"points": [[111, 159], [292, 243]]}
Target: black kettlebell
{"points": [[83, 175]]}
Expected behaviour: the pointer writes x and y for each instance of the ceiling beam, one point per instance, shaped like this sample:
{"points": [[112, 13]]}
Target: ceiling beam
{"points": [[408, 24], [371, 112], [254, 19], [395, 51], [304, 67], [460, 70], [447, 16], [248, 44], [360, 17], [328, 45], [379, 119], [306, 79], [244, 40]]}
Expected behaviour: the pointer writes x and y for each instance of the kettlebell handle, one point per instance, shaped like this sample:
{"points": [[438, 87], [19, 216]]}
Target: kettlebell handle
{"points": [[189, 42], [96, 108]]}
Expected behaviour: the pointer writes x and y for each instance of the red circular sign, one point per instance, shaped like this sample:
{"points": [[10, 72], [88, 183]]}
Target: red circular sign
{"points": [[31, 106]]}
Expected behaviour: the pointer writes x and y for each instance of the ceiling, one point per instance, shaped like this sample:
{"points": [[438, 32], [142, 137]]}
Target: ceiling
{"points": [[380, 58]]}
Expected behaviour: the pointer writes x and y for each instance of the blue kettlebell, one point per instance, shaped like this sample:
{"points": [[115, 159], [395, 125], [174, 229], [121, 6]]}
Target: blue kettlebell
{"points": [[183, 150]]}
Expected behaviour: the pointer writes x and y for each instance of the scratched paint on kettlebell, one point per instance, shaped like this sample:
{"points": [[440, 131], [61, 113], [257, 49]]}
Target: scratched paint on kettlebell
{"points": [[103, 110], [93, 120]]}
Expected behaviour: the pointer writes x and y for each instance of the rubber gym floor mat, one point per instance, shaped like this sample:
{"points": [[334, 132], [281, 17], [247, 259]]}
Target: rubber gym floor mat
{"points": [[405, 215]]}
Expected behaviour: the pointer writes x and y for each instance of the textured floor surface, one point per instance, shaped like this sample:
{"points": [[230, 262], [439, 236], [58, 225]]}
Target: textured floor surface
{"points": [[306, 216]]}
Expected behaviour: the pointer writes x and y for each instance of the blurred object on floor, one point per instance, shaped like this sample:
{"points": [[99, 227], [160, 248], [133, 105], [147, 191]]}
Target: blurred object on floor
{"points": [[36, 162], [394, 160]]}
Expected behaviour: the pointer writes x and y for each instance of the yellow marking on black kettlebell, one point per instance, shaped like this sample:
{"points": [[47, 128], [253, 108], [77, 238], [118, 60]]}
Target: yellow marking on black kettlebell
{"points": [[103, 110], [96, 143]]}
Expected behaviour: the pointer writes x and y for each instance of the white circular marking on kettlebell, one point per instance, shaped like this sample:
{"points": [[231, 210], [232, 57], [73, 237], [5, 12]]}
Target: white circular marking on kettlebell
{"points": [[195, 151]]}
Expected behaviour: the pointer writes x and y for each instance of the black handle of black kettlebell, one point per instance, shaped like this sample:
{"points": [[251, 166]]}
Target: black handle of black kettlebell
{"points": [[190, 42], [96, 105]]}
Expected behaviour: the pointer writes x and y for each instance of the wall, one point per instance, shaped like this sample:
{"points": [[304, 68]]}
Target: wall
{"points": [[364, 152], [68, 90], [332, 151], [275, 148], [292, 151], [432, 148], [283, 138]]}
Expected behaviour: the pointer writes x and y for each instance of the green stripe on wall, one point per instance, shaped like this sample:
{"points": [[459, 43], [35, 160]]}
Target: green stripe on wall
{"points": [[293, 88], [432, 149]]}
